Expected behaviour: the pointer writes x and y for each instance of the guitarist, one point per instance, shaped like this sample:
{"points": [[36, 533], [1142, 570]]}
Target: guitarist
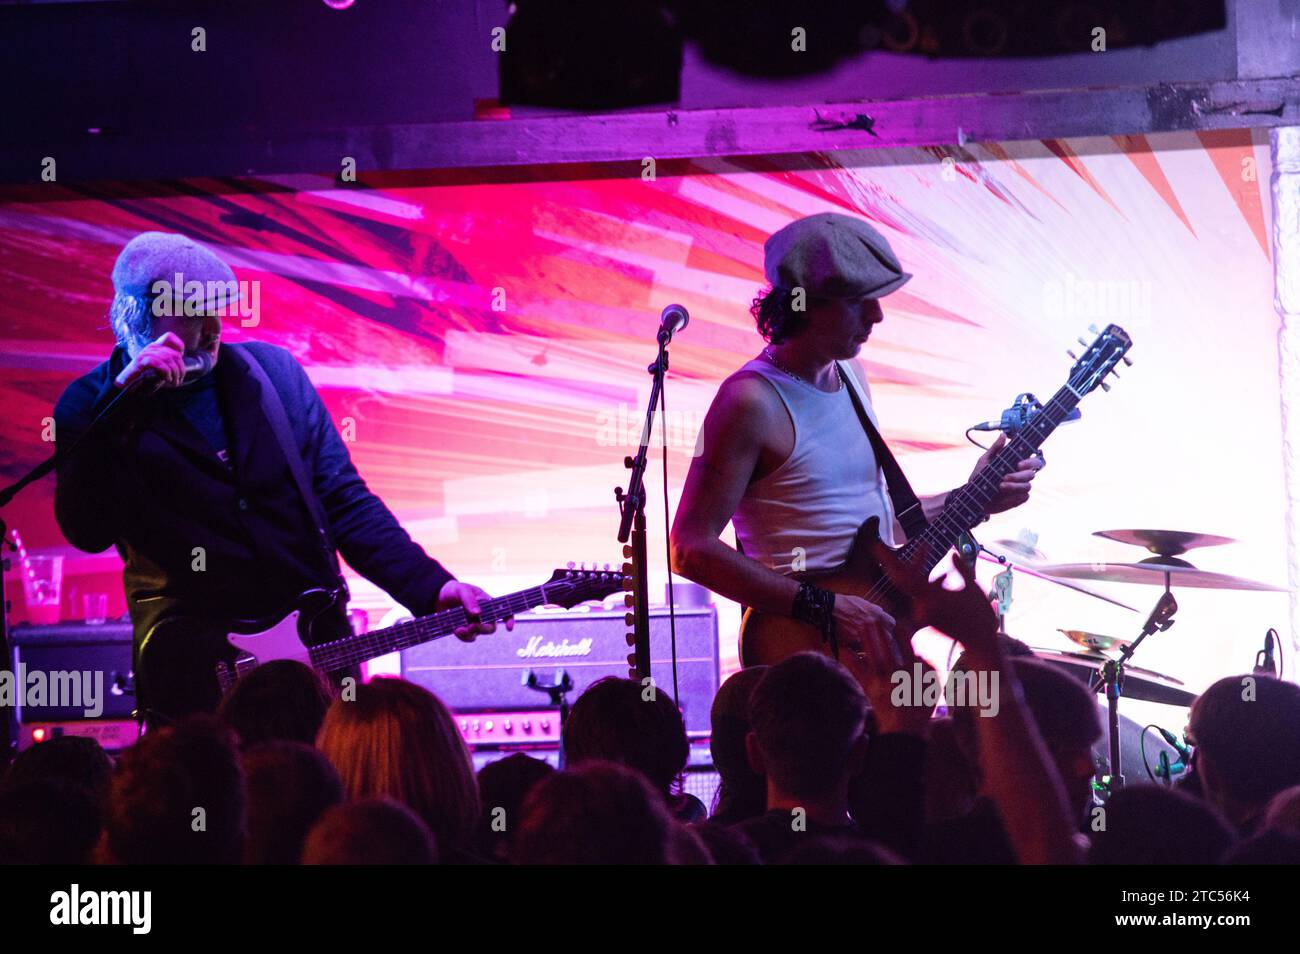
{"points": [[785, 456], [189, 478]]}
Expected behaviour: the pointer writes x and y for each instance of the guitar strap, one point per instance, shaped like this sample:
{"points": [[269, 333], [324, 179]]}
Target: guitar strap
{"points": [[273, 408], [906, 505]]}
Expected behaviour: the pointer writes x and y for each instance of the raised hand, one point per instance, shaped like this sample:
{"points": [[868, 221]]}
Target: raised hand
{"points": [[964, 614]]}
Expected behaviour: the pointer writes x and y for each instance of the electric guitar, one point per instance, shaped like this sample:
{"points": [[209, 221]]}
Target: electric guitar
{"points": [[766, 639], [185, 665]]}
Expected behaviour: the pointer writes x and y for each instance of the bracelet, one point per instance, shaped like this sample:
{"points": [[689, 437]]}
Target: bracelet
{"points": [[816, 607]]}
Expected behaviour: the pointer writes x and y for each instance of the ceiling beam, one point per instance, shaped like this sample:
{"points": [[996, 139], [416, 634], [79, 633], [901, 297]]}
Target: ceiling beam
{"points": [[667, 133]]}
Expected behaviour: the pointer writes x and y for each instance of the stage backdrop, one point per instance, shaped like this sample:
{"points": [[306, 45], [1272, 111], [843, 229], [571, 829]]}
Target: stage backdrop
{"points": [[482, 340]]}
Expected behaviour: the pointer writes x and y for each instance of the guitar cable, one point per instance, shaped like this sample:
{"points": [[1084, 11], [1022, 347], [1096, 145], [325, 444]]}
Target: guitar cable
{"points": [[668, 549]]}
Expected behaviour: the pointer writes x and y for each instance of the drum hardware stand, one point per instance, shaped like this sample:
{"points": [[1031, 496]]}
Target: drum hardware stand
{"points": [[1111, 677], [1002, 584]]}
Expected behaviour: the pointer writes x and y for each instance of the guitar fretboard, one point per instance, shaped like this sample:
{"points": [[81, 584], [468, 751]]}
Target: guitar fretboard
{"points": [[351, 650], [970, 503]]}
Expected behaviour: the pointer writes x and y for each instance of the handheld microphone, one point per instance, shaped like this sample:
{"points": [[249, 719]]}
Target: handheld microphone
{"points": [[197, 364], [672, 320]]}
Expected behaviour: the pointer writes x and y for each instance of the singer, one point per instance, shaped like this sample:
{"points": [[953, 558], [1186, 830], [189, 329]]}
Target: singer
{"points": [[190, 477], [790, 454]]}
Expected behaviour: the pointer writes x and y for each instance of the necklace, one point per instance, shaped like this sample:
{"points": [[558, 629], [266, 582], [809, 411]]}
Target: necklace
{"points": [[767, 353]]}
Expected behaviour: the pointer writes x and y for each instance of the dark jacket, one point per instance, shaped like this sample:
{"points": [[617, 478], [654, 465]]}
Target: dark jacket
{"points": [[151, 485]]}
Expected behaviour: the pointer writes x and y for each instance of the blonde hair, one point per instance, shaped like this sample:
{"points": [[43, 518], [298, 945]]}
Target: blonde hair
{"points": [[398, 740]]}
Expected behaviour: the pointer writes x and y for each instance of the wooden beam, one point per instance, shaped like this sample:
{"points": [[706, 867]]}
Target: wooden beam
{"points": [[668, 133]]}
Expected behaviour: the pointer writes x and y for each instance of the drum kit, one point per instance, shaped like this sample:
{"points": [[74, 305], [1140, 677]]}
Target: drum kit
{"points": [[1103, 662]]}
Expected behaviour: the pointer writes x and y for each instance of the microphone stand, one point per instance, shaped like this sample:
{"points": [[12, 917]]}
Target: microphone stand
{"points": [[631, 526], [1111, 676], [9, 732]]}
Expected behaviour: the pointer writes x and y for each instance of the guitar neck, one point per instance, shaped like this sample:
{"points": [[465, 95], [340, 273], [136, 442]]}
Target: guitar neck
{"points": [[969, 504], [351, 650]]}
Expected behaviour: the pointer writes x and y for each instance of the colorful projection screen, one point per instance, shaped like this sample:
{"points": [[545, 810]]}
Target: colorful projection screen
{"points": [[482, 341]]}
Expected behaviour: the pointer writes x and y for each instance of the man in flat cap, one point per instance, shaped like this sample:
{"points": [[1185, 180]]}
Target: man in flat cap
{"points": [[189, 475], [789, 451]]}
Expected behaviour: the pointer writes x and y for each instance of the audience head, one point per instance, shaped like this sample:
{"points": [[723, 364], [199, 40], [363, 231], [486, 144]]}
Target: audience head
{"points": [[178, 798], [742, 792], [808, 718], [43, 822], [52, 802], [596, 813], [833, 849], [371, 831], [1152, 825], [1268, 847], [503, 785], [397, 739], [69, 760], [1246, 730], [619, 720], [1283, 812], [282, 699], [289, 786], [1068, 720]]}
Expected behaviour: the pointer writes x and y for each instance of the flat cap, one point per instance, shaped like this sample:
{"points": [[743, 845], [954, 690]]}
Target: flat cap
{"points": [[830, 255], [152, 257]]}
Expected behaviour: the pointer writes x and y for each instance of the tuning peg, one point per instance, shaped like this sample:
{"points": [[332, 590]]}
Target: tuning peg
{"points": [[1115, 371], [630, 638], [1083, 341], [1094, 329], [1105, 386], [606, 567], [629, 619], [628, 601], [570, 564], [1072, 355], [1128, 362], [627, 552]]}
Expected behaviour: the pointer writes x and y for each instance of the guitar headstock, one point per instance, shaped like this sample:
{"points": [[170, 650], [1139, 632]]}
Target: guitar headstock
{"points": [[568, 587], [1100, 359]]}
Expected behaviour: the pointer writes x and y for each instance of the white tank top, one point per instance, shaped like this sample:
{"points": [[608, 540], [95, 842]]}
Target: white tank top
{"points": [[805, 514]]}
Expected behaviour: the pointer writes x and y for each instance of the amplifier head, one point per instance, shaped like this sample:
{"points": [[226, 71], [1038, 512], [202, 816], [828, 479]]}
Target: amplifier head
{"points": [[489, 674]]}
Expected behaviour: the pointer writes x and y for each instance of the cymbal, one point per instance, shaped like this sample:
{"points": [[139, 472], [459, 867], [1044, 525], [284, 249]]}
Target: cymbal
{"points": [[1165, 542], [1095, 641], [1018, 549], [1038, 575], [1181, 573], [1142, 685]]}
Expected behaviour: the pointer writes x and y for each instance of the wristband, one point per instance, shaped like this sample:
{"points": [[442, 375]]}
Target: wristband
{"points": [[816, 607]]}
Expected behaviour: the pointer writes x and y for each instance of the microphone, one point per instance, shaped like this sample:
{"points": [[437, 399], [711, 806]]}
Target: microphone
{"points": [[197, 364], [1184, 753], [672, 320], [1264, 661], [1013, 421]]}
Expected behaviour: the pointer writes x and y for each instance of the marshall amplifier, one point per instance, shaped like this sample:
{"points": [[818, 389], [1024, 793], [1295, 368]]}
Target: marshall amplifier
{"points": [[488, 674]]}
